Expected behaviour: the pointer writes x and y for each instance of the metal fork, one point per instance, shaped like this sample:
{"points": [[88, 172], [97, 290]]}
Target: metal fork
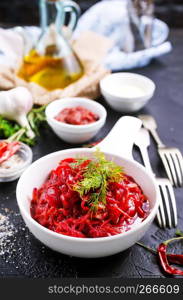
{"points": [[171, 157], [167, 212]]}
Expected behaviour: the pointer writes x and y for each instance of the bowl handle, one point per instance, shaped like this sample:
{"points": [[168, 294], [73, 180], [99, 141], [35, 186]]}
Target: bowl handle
{"points": [[121, 138]]}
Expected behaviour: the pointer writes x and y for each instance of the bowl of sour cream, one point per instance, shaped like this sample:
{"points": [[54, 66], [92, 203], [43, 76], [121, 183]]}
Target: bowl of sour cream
{"points": [[127, 92]]}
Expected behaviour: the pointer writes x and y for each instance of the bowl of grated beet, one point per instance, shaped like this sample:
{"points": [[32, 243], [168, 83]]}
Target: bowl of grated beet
{"points": [[90, 202]]}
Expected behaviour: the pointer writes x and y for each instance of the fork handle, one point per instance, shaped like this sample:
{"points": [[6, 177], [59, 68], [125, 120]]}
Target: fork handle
{"points": [[146, 160], [156, 137]]}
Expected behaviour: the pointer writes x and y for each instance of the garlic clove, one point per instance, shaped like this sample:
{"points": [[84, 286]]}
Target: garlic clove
{"points": [[15, 104]]}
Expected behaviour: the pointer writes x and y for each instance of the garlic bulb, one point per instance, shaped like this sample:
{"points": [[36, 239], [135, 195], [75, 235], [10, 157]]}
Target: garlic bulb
{"points": [[15, 104]]}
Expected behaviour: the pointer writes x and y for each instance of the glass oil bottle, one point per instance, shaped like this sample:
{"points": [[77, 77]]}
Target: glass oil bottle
{"points": [[52, 63]]}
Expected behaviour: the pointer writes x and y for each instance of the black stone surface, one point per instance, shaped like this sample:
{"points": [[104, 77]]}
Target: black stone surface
{"points": [[29, 258]]}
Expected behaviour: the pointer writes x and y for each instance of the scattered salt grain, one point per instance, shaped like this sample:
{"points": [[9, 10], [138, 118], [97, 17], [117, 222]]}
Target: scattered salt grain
{"points": [[7, 229]]}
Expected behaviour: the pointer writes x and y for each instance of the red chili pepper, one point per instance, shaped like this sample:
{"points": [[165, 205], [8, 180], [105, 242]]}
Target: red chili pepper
{"points": [[164, 259], [7, 150], [3, 147], [172, 258], [175, 259]]}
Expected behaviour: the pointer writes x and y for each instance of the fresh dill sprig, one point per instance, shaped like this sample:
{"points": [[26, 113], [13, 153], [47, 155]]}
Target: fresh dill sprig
{"points": [[96, 175], [78, 162]]}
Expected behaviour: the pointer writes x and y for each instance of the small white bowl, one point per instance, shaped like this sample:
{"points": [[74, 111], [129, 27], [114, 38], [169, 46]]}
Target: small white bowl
{"points": [[11, 174], [75, 134], [137, 91]]}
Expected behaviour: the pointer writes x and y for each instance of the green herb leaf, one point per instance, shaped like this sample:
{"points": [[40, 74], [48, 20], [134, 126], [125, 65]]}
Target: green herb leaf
{"points": [[12, 131], [7, 128], [90, 182], [79, 161], [36, 117], [97, 174]]}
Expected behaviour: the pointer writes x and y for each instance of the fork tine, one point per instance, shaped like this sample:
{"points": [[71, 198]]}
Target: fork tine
{"points": [[173, 203], [159, 219], [165, 197], [180, 160], [166, 166], [177, 167], [172, 168], [161, 213]]}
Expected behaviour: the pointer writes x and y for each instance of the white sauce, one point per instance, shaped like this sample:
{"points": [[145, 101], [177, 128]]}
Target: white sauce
{"points": [[128, 91]]}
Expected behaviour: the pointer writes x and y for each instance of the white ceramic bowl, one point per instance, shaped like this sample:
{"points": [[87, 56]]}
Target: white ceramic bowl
{"points": [[140, 91], [37, 173], [75, 134], [12, 174]]}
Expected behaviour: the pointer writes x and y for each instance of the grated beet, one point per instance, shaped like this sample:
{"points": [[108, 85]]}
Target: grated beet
{"points": [[59, 208]]}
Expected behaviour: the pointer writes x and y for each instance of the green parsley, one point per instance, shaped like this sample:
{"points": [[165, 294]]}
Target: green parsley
{"points": [[8, 128]]}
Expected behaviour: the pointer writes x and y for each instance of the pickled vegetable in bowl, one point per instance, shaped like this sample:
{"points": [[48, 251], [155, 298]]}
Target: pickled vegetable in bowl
{"points": [[43, 209], [89, 198], [78, 115]]}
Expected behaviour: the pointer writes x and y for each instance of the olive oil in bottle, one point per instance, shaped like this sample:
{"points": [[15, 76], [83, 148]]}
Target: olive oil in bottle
{"points": [[52, 63]]}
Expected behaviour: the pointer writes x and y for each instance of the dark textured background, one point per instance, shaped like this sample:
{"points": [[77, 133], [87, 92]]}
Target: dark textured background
{"points": [[28, 258], [25, 11]]}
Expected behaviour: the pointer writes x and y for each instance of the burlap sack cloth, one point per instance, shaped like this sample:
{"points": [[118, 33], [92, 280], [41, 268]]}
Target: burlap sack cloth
{"points": [[91, 48]]}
